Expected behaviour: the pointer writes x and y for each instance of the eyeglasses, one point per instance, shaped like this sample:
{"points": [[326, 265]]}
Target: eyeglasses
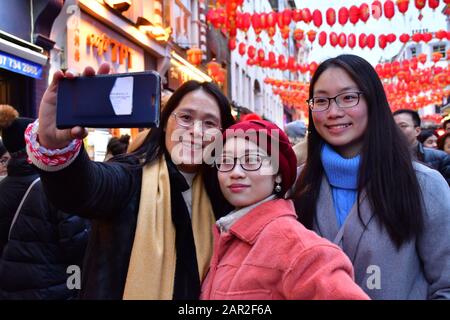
{"points": [[343, 100], [248, 162], [186, 120]]}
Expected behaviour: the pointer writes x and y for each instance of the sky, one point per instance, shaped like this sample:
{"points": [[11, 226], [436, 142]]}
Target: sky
{"points": [[433, 21]]}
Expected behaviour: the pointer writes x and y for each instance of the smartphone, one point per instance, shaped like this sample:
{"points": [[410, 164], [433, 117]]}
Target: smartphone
{"points": [[127, 100]]}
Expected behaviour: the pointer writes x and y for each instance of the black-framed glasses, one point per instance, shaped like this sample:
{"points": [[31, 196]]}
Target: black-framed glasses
{"points": [[343, 100], [248, 162], [186, 120]]}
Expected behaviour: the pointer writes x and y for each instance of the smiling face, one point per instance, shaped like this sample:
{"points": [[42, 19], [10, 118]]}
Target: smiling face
{"points": [[342, 128], [184, 142], [241, 187]]}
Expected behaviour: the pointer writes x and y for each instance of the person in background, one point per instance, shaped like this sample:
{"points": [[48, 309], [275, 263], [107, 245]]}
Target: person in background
{"points": [[152, 212], [37, 242], [361, 189], [4, 158], [428, 138], [117, 146], [446, 125], [409, 122], [261, 251], [443, 142]]}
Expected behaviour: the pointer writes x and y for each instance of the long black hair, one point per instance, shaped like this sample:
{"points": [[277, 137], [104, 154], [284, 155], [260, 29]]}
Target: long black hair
{"points": [[386, 169]]}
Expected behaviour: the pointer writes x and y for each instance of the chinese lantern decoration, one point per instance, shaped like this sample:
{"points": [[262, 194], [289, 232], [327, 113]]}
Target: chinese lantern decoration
{"points": [[242, 49], [426, 37], [298, 34], [313, 67], [364, 12], [194, 56], [371, 41], [343, 15], [317, 18], [251, 51], [362, 40], [281, 62], [433, 4], [417, 37], [351, 39], [402, 6], [292, 64], [232, 44], [306, 15], [287, 16], [271, 20], [322, 38], [436, 56], [391, 38], [297, 15], [261, 55], [213, 68], [422, 58], [333, 39], [377, 10], [256, 24], [413, 63], [389, 9], [382, 41], [331, 16], [354, 14], [420, 4], [441, 34], [342, 40], [311, 35], [272, 60]]}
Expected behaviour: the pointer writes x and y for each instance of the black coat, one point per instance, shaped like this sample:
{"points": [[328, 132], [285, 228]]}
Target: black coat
{"points": [[43, 241], [109, 194], [436, 159]]}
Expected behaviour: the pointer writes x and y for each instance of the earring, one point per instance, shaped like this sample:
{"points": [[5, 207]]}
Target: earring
{"points": [[277, 188]]}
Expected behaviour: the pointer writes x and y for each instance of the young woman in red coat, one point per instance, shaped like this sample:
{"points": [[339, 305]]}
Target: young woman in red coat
{"points": [[261, 251]]}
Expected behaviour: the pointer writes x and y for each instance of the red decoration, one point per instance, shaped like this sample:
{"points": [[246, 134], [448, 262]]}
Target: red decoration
{"points": [[426, 37], [271, 19], [298, 34], [232, 44], [402, 6], [306, 15], [251, 51], [422, 58], [362, 39], [317, 18], [333, 39], [322, 38], [389, 9], [331, 16], [417, 37], [342, 40], [194, 56], [343, 15], [391, 37], [311, 35], [371, 41], [377, 10], [433, 4], [420, 4], [287, 16], [242, 48], [351, 39], [364, 12], [436, 56], [354, 13], [382, 41], [441, 34], [297, 15]]}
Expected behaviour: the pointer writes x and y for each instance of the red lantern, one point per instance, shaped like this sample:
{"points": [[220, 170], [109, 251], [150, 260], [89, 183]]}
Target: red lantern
{"points": [[331, 16], [433, 4], [389, 9], [256, 22], [422, 58], [241, 48], [364, 12], [311, 35], [333, 39], [232, 44], [402, 6], [261, 55], [271, 19], [377, 10], [419, 4], [405, 65], [317, 18], [342, 40], [298, 34], [194, 56], [413, 63], [251, 51], [322, 38], [441, 34], [436, 56], [297, 15], [351, 39], [306, 15], [382, 41], [417, 37], [272, 59], [371, 41], [292, 65], [281, 62], [362, 39], [313, 67], [354, 14], [391, 38], [343, 15], [426, 37], [286, 16]]}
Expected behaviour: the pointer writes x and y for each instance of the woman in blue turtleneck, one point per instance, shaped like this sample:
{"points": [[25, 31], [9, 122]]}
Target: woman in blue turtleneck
{"points": [[360, 188]]}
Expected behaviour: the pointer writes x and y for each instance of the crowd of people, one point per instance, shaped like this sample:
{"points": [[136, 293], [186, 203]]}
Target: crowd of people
{"points": [[207, 207]]}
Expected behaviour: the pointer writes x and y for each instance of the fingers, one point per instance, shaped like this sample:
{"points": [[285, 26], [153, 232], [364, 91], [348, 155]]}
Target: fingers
{"points": [[89, 71], [104, 68], [78, 133]]}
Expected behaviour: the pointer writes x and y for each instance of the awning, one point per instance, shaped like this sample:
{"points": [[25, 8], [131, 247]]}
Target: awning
{"points": [[20, 56]]}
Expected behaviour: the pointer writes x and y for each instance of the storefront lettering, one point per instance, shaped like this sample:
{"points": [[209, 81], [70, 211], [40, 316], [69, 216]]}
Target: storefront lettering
{"points": [[102, 44]]}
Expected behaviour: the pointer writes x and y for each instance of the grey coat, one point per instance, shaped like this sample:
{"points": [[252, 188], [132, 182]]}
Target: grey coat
{"points": [[420, 269]]}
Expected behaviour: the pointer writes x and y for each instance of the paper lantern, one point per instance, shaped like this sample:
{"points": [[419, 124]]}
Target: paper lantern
{"points": [[436, 56], [343, 15], [382, 41], [391, 38], [426, 37], [298, 34], [342, 40], [354, 13], [364, 12], [377, 10], [297, 15], [433, 4], [322, 38], [420, 4], [351, 39], [371, 41], [331, 16], [417, 37], [194, 56], [362, 40], [311, 35], [422, 58], [389, 9], [317, 18], [242, 48], [232, 44], [333, 39], [306, 15], [251, 51], [402, 6]]}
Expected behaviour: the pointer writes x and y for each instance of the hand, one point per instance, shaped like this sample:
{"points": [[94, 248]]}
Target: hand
{"points": [[49, 136]]}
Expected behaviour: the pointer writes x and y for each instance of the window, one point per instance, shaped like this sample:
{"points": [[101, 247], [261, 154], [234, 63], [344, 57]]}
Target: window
{"points": [[440, 48], [181, 22]]}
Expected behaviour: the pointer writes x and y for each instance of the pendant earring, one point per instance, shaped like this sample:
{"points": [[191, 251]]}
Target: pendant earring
{"points": [[277, 188]]}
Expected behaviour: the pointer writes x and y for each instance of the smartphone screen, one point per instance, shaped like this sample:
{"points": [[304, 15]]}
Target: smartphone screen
{"points": [[128, 100]]}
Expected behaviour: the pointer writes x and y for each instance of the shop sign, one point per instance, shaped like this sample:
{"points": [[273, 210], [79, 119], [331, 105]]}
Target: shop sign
{"points": [[19, 65]]}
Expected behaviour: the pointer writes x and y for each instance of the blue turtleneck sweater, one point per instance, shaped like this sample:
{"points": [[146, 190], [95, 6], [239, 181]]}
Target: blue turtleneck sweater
{"points": [[342, 175]]}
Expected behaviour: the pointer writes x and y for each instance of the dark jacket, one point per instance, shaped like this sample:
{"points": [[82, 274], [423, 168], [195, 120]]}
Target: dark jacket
{"points": [[436, 159], [109, 193], [43, 241]]}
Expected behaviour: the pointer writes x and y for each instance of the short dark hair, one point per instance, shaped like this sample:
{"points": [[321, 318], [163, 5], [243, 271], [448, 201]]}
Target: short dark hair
{"points": [[118, 146], [425, 134], [441, 140], [414, 115]]}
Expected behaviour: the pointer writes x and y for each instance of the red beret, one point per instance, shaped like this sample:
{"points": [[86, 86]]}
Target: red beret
{"points": [[287, 158]]}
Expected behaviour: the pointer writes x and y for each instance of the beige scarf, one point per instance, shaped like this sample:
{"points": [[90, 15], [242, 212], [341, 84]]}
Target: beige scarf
{"points": [[151, 271]]}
